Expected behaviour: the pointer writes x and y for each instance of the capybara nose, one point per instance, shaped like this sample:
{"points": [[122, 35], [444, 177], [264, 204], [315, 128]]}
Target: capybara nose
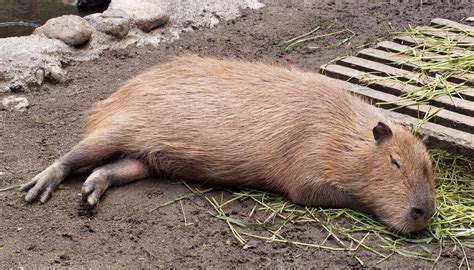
{"points": [[417, 213], [423, 213]]}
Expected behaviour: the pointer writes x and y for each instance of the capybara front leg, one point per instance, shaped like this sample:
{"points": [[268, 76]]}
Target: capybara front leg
{"points": [[91, 150], [119, 172], [316, 193]]}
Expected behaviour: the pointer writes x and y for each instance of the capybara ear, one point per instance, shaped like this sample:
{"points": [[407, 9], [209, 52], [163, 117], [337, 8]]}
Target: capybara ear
{"points": [[381, 132]]}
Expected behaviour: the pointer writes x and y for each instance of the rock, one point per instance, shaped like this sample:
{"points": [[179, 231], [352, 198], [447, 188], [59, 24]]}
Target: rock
{"points": [[145, 15], [250, 245], [470, 19], [39, 75], [56, 74], [114, 26], [71, 29], [213, 21], [15, 103]]}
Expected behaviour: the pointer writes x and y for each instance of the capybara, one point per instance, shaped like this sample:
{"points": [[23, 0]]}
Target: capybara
{"points": [[235, 123]]}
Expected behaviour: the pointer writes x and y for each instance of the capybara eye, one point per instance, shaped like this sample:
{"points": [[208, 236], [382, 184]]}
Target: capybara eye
{"points": [[394, 162]]}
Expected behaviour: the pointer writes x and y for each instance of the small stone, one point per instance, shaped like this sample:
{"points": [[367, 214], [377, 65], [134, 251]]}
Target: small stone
{"points": [[39, 74], [71, 29], [249, 245], [213, 21], [15, 103], [56, 74], [470, 19]]}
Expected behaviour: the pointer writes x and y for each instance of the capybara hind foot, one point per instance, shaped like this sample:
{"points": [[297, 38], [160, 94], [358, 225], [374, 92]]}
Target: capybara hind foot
{"points": [[44, 184], [89, 151], [118, 172]]}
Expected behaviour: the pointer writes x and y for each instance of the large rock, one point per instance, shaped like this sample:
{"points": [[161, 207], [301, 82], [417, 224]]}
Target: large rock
{"points": [[145, 15], [114, 26], [71, 29]]}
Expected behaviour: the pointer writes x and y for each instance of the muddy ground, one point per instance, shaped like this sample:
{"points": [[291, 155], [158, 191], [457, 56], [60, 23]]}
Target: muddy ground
{"points": [[122, 233]]}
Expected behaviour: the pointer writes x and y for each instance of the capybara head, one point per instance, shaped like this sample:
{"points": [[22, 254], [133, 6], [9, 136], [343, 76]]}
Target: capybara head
{"points": [[402, 194]]}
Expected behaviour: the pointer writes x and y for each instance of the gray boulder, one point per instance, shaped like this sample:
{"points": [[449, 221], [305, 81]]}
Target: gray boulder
{"points": [[71, 29], [114, 26], [145, 15]]}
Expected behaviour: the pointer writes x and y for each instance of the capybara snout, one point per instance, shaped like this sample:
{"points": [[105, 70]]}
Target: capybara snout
{"points": [[236, 123]]}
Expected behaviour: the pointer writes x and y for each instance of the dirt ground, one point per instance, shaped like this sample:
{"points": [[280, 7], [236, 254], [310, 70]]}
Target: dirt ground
{"points": [[122, 234]]}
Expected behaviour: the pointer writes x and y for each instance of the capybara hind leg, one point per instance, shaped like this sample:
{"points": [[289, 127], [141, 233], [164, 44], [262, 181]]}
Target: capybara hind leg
{"points": [[118, 172], [89, 151]]}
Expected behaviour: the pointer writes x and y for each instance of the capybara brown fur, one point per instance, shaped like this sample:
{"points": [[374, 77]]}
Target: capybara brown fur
{"points": [[234, 123]]}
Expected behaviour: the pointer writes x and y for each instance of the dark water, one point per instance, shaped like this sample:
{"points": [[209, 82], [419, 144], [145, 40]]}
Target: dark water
{"points": [[21, 17]]}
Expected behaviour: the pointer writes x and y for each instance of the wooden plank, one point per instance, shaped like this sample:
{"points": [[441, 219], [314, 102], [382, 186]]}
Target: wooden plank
{"points": [[397, 88], [384, 70], [405, 43], [453, 24], [461, 39], [438, 136], [395, 47], [378, 68], [413, 41], [406, 62], [444, 117]]}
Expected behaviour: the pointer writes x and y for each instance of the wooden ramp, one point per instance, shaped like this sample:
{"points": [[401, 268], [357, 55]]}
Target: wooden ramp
{"points": [[387, 71]]}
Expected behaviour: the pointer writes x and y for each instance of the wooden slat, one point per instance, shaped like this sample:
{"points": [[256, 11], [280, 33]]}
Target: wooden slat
{"points": [[407, 62], [444, 117], [444, 22], [413, 41], [405, 47], [378, 68], [438, 136], [439, 33], [401, 60], [381, 69]]}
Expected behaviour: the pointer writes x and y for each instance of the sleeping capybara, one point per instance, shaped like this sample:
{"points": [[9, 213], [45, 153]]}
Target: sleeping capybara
{"points": [[235, 123]]}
